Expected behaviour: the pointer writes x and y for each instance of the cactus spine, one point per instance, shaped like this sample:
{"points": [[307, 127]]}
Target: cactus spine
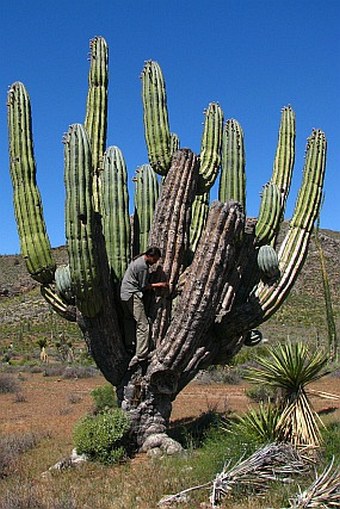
{"points": [[80, 221], [115, 211], [35, 244]]}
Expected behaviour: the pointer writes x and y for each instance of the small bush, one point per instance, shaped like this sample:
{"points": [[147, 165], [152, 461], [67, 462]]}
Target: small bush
{"points": [[79, 372], [8, 384], [11, 446], [104, 398], [20, 397], [101, 437], [219, 375], [261, 394], [74, 398]]}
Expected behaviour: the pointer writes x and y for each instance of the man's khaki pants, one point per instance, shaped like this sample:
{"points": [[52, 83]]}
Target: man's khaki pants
{"points": [[136, 326]]}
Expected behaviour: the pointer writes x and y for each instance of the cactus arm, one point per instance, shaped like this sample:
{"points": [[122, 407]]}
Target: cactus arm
{"points": [[171, 226], [34, 242], [171, 223], [270, 214], [293, 250], [285, 155], [233, 179], [96, 106], [155, 115], [80, 221], [265, 299], [115, 212], [211, 144], [199, 214], [146, 197]]}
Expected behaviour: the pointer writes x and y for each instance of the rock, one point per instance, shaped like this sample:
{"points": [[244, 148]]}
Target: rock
{"points": [[161, 441]]}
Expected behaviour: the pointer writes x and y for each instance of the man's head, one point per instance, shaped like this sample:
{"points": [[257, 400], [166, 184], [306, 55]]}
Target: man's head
{"points": [[152, 255]]}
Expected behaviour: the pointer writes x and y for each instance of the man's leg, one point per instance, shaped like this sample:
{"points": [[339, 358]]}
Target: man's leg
{"points": [[129, 325], [142, 328]]}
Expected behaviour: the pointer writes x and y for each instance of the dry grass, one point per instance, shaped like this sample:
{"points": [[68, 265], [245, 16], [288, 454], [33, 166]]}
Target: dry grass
{"points": [[138, 484]]}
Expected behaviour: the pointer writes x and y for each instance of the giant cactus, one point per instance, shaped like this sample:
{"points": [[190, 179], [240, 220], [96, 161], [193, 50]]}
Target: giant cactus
{"points": [[226, 274]]}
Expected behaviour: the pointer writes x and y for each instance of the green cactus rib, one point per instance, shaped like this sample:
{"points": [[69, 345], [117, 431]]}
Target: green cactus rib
{"points": [[34, 242], [80, 221], [294, 248], [199, 214], [233, 179], [146, 197], [211, 145], [115, 211], [270, 214], [155, 114], [285, 155]]}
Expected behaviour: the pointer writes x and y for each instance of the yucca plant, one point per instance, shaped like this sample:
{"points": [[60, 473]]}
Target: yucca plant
{"points": [[257, 425], [290, 368]]}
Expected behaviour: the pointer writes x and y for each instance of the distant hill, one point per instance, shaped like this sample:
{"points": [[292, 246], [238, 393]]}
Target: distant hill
{"points": [[302, 315]]}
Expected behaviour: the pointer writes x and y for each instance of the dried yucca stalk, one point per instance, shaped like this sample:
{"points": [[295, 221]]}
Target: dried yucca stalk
{"points": [[323, 493], [273, 462]]}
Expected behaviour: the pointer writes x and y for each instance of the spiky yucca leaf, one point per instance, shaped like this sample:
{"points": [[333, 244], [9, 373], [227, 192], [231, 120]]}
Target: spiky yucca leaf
{"points": [[259, 425]]}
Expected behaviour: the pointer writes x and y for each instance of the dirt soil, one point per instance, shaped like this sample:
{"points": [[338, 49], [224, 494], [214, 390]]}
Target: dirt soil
{"points": [[53, 404]]}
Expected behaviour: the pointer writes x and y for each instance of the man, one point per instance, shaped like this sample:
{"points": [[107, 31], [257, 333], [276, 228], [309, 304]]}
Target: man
{"points": [[134, 284]]}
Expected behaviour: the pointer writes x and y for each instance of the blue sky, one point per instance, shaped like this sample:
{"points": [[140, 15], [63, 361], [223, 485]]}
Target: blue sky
{"points": [[252, 56]]}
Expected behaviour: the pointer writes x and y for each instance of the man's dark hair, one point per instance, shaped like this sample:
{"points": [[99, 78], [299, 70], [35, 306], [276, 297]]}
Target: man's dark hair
{"points": [[153, 251]]}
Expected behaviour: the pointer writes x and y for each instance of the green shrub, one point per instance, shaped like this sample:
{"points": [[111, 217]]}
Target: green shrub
{"points": [[104, 398], [101, 437]]}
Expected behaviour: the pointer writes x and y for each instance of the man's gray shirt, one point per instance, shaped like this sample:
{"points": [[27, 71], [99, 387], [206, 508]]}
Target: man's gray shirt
{"points": [[135, 279]]}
